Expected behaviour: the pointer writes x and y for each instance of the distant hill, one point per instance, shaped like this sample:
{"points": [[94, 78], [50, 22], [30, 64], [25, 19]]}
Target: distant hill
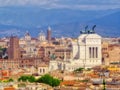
{"points": [[107, 26], [64, 22]]}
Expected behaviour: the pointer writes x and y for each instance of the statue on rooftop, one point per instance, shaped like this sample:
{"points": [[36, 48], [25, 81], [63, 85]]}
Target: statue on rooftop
{"points": [[92, 31], [93, 28], [86, 27], [88, 31], [85, 31]]}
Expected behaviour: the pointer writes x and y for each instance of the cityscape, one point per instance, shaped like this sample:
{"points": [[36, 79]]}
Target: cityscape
{"points": [[44, 58]]}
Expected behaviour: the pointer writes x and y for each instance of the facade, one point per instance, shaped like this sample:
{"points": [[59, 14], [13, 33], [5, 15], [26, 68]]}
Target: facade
{"points": [[112, 40], [9, 64], [43, 69], [63, 53], [41, 52], [13, 49], [60, 52], [3, 44], [29, 62], [89, 49], [114, 53], [86, 52], [28, 46], [111, 53], [105, 54]]}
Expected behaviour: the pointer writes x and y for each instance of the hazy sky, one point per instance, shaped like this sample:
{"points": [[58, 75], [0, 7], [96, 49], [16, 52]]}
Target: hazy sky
{"points": [[71, 4]]}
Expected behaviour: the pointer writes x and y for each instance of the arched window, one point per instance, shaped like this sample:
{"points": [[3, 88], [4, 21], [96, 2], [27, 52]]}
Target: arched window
{"points": [[40, 70], [43, 70]]}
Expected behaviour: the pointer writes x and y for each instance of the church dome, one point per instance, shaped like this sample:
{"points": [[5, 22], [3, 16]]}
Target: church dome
{"points": [[41, 36]]}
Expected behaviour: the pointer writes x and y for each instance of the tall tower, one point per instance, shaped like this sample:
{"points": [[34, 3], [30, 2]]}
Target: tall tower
{"points": [[49, 34], [13, 49]]}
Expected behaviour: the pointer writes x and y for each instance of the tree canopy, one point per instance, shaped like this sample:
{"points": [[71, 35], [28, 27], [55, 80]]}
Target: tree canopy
{"points": [[27, 78], [47, 79], [79, 70]]}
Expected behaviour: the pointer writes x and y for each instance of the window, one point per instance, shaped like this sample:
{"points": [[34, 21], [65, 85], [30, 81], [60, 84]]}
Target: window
{"points": [[93, 49], [43, 70], [96, 52], [89, 52], [40, 70], [93, 52]]}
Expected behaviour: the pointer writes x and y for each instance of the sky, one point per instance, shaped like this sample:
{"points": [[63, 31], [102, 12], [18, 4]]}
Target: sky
{"points": [[69, 4]]}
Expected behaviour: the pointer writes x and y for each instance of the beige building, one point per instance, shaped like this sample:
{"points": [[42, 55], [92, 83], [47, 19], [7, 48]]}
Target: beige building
{"points": [[9, 64], [60, 52], [110, 53], [28, 46], [43, 69], [3, 44], [86, 53]]}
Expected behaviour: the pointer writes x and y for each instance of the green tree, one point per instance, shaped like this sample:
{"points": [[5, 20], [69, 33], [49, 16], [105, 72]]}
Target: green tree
{"points": [[79, 70], [27, 78], [10, 80], [47, 79], [23, 78], [55, 82], [31, 79]]}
